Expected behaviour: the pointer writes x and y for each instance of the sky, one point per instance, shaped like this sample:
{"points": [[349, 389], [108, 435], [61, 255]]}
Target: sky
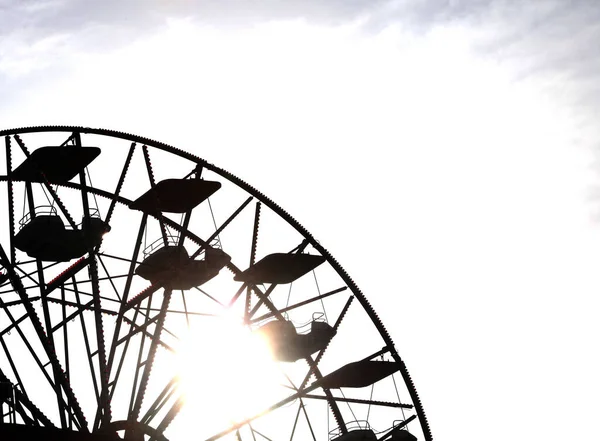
{"points": [[445, 152]]}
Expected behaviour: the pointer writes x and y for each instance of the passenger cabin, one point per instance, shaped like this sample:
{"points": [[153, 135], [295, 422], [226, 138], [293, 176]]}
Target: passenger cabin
{"points": [[280, 268], [45, 237], [175, 196], [289, 346], [57, 165], [403, 435], [171, 266], [359, 374], [357, 435]]}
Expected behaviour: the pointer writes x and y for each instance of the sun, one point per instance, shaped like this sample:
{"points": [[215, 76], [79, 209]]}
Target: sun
{"points": [[226, 374]]}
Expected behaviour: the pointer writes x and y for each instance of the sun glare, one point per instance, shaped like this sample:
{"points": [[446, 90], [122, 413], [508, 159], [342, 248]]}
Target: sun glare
{"points": [[226, 374]]}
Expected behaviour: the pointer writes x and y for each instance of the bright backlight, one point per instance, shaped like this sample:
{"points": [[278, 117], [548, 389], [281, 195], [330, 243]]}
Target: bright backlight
{"points": [[227, 374]]}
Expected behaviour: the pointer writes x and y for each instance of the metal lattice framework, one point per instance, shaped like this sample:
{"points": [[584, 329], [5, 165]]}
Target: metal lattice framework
{"points": [[93, 347]]}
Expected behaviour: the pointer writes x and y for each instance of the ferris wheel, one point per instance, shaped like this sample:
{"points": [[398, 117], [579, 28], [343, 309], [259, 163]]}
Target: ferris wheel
{"points": [[146, 294]]}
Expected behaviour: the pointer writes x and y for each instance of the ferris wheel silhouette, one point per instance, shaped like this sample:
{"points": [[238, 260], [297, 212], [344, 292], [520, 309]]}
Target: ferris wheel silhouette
{"points": [[139, 286]]}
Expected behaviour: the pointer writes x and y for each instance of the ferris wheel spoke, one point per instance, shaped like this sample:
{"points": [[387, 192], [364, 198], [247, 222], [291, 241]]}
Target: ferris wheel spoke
{"points": [[28, 276], [221, 228], [103, 372], [142, 329], [299, 304], [159, 402], [68, 140], [115, 380], [396, 428], [66, 347], [238, 293], [139, 364], [136, 329], [255, 233], [11, 201], [65, 320], [170, 416], [252, 432], [14, 323], [126, 290], [151, 354], [312, 432], [295, 423], [122, 259], [50, 336], [335, 410], [139, 298], [197, 170], [361, 401], [164, 328], [163, 397], [117, 192], [20, 302], [66, 286], [260, 434], [208, 295], [86, 341], [175, 311], [184, 226], [108, 277], [133, 330], [70, 272], [253, 248], [89, 306], [262, 297]]}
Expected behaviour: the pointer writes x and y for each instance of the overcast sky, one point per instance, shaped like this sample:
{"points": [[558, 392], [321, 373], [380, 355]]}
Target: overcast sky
{"points": [[446, 152]]}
